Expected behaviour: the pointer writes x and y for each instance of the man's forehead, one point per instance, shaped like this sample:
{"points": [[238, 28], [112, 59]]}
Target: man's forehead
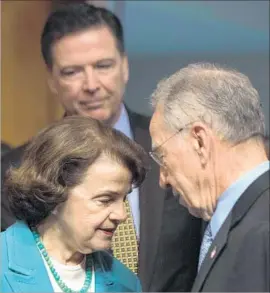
{"points": [[157, 121], [154, 123], [100, 39], [156, 127]]}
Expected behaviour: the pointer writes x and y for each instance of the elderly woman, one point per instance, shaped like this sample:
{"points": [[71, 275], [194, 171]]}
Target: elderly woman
{"points": [[68, 196]]}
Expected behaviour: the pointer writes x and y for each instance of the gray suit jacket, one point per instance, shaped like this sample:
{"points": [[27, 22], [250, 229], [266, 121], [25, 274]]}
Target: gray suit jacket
{"points": [[169, 236]]}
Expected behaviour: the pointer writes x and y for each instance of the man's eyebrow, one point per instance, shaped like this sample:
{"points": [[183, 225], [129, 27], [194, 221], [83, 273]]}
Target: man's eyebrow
{"points": [[105, 60]]}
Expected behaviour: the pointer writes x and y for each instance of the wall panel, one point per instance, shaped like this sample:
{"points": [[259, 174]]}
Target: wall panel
{"points": [[26, 103]]}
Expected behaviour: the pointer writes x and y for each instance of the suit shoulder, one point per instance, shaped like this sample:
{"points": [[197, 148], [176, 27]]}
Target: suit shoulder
{"points": [[260, 209], [10, 234], [140, 120], [4, 284], [4, 248], [3, 238]]}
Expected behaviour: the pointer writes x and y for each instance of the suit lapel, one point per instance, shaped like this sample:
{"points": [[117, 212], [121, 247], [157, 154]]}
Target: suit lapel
{"points": [[26, 274], [104, 281], [249, 197], [151, 202], [107, 276], [241, 207], [212, 255]]}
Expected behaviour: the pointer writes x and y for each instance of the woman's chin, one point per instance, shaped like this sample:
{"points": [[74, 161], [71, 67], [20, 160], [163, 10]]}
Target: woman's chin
{"points": [[102, 246]]}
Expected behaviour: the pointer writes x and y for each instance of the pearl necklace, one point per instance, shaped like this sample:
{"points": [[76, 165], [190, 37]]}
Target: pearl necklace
{"points": [[56, 276]]}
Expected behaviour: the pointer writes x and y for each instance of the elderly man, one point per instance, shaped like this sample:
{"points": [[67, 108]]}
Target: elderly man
{"points": [[208, 138]]}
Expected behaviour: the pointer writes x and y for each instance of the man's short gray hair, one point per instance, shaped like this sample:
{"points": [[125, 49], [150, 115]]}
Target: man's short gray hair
{"points": [[223, 98]]}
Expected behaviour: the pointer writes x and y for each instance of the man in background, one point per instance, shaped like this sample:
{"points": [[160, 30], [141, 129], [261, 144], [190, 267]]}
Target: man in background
{"points": [[208, 136], [83, 48]]}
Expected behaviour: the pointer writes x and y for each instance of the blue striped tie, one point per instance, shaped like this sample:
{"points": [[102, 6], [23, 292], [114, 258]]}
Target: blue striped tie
{"points": [[206, 243]]}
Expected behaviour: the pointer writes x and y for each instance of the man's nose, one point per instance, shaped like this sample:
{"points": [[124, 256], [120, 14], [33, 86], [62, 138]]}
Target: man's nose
{"points": [[91, 81]]}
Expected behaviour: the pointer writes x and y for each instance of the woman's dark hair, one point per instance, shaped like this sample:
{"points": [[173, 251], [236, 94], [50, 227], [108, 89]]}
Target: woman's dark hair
{"points": [[77, 17], [57, 160]]}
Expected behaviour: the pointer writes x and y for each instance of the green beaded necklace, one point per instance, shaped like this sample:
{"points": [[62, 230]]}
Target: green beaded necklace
{"points": [[56, 276]]}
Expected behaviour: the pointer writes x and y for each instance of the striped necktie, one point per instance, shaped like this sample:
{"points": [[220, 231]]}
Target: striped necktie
{"points": [[124, 242], [206, 243]]}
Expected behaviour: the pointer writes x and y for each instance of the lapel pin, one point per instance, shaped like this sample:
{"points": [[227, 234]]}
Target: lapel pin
{"points": [[213, 252]]}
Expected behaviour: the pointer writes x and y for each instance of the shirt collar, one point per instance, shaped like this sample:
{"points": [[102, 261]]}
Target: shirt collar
{"points": [[122, 124], [230, 196]]}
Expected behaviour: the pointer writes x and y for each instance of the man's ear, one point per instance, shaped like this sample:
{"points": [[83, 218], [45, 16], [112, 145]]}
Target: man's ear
{"points": [[125, 68], [201, 138], [51, 83]]}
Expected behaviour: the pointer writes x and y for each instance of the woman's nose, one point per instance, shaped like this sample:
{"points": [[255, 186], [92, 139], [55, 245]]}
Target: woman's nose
{"points": [[119, 214]]}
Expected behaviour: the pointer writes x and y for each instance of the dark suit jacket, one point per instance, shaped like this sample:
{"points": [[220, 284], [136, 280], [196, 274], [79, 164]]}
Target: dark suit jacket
{"points": [[169, 235], [238, 259], [5, 148]]}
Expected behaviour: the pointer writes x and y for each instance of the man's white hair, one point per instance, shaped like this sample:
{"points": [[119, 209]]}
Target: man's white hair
{"points": [[223, 98]]}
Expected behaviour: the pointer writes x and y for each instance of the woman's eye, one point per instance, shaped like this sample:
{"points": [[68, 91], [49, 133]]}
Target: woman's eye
{"points": [[105, 201]]}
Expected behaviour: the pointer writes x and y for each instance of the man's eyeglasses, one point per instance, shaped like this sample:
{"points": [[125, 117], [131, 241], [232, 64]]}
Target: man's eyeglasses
{"points": [[154, 155]]}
